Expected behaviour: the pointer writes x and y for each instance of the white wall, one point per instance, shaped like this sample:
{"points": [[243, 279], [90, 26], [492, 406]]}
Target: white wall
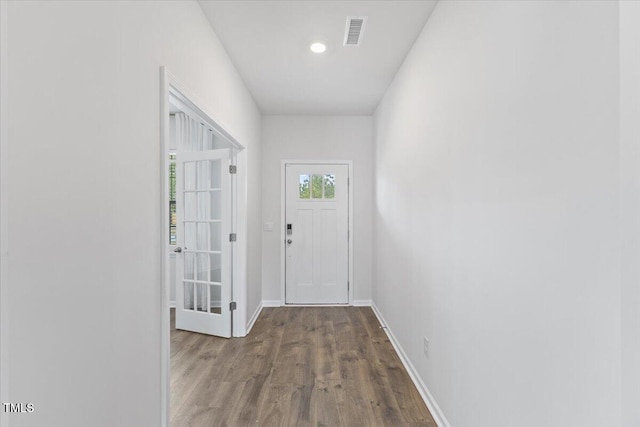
{"points": [[496, 212], [4, 226], [84, 157], [630, 208], [317, 138]]}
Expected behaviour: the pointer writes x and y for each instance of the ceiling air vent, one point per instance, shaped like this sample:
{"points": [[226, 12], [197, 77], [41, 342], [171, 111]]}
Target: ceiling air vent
{"points": [[354, 29]]}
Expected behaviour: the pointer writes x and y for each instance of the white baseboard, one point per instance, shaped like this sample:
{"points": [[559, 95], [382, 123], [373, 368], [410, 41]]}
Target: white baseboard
{"points": [[271, 303], [355, 303], [435, 410], [254, 317]]}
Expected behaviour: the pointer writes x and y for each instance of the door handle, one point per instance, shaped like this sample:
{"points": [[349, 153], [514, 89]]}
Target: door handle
{"points": [[289, 241], [178, 249]]}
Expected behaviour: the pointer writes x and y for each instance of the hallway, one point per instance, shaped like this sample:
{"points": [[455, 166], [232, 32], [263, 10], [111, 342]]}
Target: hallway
{"points": [[301, 366], [493, 153]]}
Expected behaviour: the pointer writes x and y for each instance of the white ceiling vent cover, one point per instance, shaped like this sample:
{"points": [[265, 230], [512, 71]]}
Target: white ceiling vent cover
{"points": [[354, 29]]}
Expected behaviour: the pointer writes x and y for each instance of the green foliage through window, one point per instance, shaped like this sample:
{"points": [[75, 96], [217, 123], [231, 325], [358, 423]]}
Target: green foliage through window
{"points": [[303, 189], [329, 186], [317, 186]]}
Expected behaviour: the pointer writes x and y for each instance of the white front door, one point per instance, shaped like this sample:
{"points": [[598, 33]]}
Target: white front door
{"points": [[203, 261], [317, 234]]}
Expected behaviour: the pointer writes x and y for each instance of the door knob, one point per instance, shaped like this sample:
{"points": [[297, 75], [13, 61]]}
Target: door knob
{"points": [[178, 249], [289, 241]]}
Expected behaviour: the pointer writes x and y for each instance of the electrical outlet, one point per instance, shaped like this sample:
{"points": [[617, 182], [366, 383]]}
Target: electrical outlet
{"points": [[425, 347]]}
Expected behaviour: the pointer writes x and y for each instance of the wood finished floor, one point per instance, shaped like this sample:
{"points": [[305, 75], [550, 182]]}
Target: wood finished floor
{"points": [[299, 366]]}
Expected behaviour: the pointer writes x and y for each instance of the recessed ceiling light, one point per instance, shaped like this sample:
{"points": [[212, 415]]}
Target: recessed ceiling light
{"points": [[318, 47]]}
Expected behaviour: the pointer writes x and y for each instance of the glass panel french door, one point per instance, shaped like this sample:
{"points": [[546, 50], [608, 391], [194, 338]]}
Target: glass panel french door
{"points": [[203, 262]]}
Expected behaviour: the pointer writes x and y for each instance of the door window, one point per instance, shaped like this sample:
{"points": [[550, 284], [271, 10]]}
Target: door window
{"points": [[317, 186]]}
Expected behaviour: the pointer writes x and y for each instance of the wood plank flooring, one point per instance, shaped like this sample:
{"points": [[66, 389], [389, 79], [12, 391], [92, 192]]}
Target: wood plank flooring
{"points": [[299, 366]]}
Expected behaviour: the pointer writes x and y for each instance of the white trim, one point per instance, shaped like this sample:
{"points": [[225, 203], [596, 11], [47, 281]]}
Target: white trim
{"points": [[190, 102], [283, 207], [435, 410], [4, 209], [361, 303], [254, 317], [272, 303], [239, 248], [316, 305], [165, 315], [354, 303], [172, 304]]}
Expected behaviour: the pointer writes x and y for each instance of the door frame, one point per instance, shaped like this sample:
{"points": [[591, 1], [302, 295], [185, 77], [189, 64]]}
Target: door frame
{"points": [[172, 87], [283, 209]]}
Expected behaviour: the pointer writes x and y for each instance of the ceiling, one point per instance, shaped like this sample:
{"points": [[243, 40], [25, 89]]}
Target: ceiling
{"points": [[268, 41]]}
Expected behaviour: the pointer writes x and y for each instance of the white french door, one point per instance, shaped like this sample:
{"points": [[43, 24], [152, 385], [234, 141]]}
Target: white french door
{"points": [[316, 234], [203, 259]]}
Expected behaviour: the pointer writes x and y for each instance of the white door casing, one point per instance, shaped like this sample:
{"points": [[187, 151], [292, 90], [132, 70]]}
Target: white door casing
{"points": [[203, 265], [316, 234]]}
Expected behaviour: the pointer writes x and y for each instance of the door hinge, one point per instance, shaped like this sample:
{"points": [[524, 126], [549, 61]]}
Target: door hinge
{"points": [[232, 305], [232, 237], [233, 169]]}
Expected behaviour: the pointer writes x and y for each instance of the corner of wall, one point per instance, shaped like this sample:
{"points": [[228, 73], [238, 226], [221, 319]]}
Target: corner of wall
{"points": [[427, 397]]}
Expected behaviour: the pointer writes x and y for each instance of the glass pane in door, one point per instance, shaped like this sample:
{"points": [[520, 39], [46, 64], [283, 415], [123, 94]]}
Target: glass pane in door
{"points": [[202, 297], [202, 236], [216, 296], [189, 296]]}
